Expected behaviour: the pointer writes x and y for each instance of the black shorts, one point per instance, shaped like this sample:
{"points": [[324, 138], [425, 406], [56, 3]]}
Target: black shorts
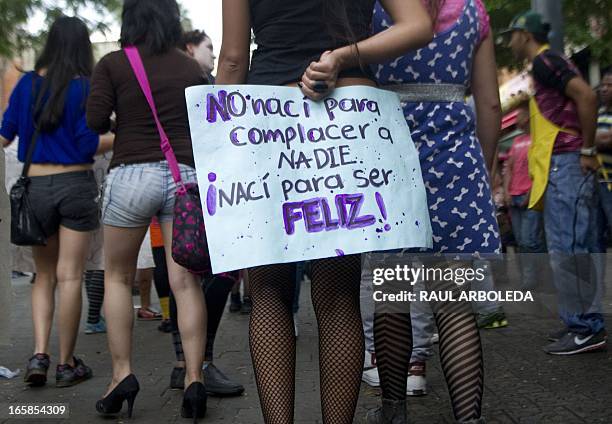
{"points": [[70, 200]]}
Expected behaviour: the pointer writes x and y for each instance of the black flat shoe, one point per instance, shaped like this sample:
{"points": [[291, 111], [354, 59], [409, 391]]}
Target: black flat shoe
{"points": [[194, 402], [217, 384], [177, 378], [113, 402]]}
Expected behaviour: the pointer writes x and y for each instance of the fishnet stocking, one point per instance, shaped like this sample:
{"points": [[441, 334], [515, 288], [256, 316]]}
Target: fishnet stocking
{"points": [[272, 340], [335, 295]]}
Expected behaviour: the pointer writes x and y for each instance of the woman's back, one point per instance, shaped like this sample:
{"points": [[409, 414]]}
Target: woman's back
{"points": [[448, 57], [115, 88], [292, 33], [69, 143]]}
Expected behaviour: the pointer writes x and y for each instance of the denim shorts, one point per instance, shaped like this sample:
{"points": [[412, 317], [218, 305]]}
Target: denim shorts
{"points": [[69, 199], [134, 193]]}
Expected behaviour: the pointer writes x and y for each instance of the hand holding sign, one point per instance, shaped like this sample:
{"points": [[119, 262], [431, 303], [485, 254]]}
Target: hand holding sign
{"points": [[320, 77], [287, 179]]}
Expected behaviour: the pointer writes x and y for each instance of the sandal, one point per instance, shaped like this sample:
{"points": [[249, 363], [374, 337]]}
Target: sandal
{"points": [[147, 314]]}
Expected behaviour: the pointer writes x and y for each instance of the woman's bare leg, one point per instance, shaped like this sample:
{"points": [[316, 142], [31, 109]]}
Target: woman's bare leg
{"points": [[121, 247], [191, 310], [43, 292], [73, 248]]}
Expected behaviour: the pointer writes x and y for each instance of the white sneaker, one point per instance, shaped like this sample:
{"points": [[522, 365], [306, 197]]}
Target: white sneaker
{"points": [[416, 383], [295, 325], [435, 338], [371, 378]]}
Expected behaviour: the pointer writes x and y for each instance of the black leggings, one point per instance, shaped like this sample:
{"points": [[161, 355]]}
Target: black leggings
{"points": [[94, 287], [335, 297], [160, 273]]}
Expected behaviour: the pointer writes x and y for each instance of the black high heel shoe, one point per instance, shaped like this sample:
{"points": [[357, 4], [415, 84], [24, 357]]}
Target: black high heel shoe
{"points": [[113, 402], [194, 402]]}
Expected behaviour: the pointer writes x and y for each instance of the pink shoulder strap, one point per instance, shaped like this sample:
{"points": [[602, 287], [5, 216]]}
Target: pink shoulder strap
{"points": [[141, 75]]}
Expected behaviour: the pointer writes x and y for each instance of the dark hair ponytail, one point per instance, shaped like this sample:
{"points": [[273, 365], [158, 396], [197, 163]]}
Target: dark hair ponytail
{"points": [[67, 54]]}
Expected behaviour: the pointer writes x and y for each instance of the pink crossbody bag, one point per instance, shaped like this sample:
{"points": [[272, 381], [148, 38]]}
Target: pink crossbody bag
{"points": [[189, 245]]}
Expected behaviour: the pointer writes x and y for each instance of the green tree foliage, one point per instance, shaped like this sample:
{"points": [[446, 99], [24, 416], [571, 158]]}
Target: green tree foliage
{"points": [[14, 15], [586, 23]]}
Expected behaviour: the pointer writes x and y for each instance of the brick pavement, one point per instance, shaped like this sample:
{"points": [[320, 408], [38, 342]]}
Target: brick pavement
{"points": [[523, 385]]}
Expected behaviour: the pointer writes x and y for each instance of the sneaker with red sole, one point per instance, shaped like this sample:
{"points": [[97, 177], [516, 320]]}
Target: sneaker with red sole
{"points": [[573, 343]]}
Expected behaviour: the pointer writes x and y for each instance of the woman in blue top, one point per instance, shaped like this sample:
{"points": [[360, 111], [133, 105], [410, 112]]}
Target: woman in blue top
{"points": [[63, 190]]}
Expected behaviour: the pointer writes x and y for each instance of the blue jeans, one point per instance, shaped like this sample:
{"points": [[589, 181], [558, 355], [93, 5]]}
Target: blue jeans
{"points": [[570, 222], [605, 208], [423, 323], [605, 197], [528, 229], [423, 328]]}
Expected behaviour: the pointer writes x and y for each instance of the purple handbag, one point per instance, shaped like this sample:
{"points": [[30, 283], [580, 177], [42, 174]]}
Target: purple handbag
{"points": [[189, 245]]}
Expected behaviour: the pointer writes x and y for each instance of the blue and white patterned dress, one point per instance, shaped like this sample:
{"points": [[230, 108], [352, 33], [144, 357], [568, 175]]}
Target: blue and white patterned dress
{"points": [[457, 182]]}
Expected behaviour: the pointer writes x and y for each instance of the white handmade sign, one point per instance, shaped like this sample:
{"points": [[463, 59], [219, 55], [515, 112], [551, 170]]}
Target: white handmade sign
{"points": [[285, 179]]}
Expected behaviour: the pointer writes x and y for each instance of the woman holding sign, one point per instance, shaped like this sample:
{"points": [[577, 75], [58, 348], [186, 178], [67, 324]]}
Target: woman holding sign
{"points": [[331, 36], [432, 83]]}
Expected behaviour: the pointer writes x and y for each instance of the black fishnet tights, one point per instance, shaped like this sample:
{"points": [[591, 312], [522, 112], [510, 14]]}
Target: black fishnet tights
{"points": [[335, 296], [460, 353]]}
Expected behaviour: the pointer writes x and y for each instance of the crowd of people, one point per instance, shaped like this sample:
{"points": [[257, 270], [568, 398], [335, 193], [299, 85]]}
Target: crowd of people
{"points": [[74, 118]]}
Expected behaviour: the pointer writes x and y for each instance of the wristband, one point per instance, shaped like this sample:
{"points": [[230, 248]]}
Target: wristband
{"points": [[588, 151]]}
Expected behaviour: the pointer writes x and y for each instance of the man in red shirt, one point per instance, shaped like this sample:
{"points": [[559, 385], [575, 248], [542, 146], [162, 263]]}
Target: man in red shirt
{"points": [[527, 224], [563, 166]]}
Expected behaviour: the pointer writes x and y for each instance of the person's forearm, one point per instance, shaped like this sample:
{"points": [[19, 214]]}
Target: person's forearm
{"points": [[389, 44], [232, 70], [489, 124], [4, 141], [486, 99], [105, 144], [507, 175]]}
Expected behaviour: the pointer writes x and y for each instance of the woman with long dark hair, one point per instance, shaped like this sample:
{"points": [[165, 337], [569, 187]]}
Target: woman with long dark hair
{"points": [[456, 153], [140, 186], [47, 107], [317, 45]]}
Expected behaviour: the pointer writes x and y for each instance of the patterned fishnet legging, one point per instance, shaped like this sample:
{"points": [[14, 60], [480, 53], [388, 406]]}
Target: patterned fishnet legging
{"points": [[335, 297], [460, 353]]}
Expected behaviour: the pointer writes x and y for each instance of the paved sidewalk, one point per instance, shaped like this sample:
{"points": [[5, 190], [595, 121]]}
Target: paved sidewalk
{"points": [[523, 385]]}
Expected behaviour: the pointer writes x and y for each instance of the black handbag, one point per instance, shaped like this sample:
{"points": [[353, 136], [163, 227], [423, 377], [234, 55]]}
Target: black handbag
{"points": [[25, 228]]}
